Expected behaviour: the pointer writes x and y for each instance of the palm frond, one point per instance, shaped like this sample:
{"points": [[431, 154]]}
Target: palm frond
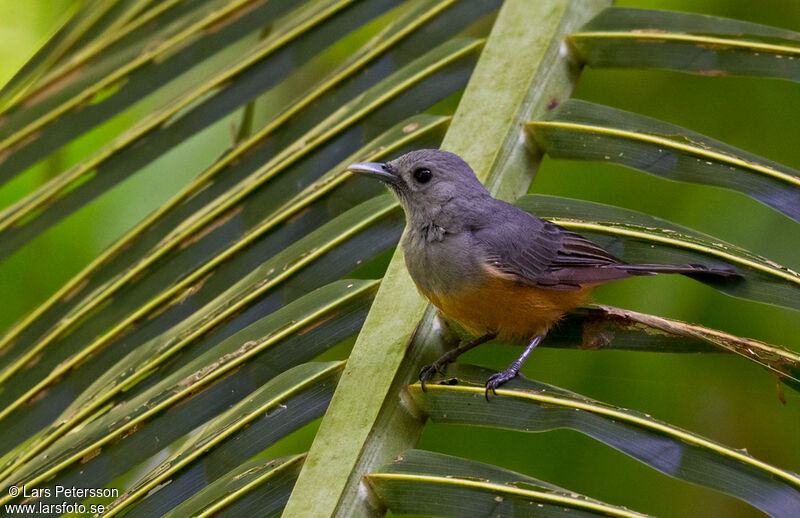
{"points": [[187, 365]]}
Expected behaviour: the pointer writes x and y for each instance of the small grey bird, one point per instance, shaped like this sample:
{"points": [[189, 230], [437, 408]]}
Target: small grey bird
{"points": [[489, 265]]}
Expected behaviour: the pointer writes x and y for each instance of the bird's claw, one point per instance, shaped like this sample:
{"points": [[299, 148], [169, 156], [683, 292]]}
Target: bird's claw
{"points": [[428, 371], [497, 379]]}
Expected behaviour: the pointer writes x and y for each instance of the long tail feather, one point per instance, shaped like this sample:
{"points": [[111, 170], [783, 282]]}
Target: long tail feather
{"points": [[692, 270]]}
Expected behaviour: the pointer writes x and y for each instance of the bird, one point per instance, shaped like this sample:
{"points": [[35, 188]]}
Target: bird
{"points": [[493, 268]]}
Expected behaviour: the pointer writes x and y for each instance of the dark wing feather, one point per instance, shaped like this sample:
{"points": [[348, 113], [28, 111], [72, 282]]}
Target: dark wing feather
{"points": [[541, 253], [576, 250], [537, 252]]}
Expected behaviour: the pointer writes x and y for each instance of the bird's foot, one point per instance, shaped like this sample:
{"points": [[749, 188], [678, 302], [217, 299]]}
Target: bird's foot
{"points": [[497, 379], [450, 356], [429, 371]]}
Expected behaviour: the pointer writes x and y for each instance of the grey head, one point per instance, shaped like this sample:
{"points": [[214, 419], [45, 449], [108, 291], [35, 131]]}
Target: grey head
{"points": [[426, 181]]}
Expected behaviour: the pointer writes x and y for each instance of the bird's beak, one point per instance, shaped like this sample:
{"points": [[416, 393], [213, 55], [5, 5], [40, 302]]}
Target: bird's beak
{"points": [[374, 170]]}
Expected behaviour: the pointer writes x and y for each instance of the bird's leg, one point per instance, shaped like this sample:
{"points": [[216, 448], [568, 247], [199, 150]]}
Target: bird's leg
{"points": [[450, 356], [495, 380]]}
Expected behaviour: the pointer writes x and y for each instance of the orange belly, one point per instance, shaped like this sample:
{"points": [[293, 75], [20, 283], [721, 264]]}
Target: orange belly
{"points": [[515, 311]]}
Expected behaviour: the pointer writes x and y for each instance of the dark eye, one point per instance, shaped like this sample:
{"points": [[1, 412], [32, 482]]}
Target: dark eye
{"points": [[422, 175]]}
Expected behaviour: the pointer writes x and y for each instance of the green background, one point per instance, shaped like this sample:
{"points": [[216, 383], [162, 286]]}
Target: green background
{"points": [[722, 397]]}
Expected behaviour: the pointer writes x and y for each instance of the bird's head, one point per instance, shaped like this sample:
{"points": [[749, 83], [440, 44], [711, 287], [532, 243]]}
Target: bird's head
{"points": [[425, 180]]}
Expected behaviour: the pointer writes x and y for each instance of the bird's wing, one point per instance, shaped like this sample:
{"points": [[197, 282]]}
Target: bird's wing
{"points": [[537, 252]]}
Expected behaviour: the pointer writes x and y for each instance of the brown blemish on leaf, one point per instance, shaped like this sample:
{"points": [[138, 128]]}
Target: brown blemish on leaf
{"points": [[299, 259], [89, 456], [649, 31], [254, 470], [188, 395], [713, 46], [208, 369], [524, 485], [211, 227], [648, 40], [4, 154], [52, 87], [7, 347], [38, 396], [779, 388], [317, 323], [124, 246], [19, 145], [160, 309], [375, 151], [33, 361], [130, 431], [551, 105], [779, 360], [691, 141], [229, 18], [712, 73], [408, 128], [138, 276], [194, 288], [75, 290], [297, 215]]}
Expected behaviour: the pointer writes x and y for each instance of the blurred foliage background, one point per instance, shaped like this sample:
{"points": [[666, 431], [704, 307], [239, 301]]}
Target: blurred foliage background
{"points": [[719, 396]]}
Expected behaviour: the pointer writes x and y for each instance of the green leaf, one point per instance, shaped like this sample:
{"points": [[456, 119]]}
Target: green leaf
{"points": [[258, 487], [517, 75], [205, 104], [94, 56], [423, 482], [221, 386], [140, 373], [585, 131], [245, 293], [287, 402], [639, 38], [456, 54], [304, 390], [640, 238], [39, 129], [81, 17], [162, 299], [140, 424], [98, 283], [278, 340], [115, 22], [531, 406], [293, 399], [244, 166]]}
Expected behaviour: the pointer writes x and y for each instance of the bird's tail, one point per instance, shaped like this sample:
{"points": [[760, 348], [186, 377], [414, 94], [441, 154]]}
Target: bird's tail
{"points": [[697, 271]]}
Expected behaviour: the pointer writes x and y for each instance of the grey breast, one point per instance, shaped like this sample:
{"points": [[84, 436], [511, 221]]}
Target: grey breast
{"points": [[443, 261]]}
